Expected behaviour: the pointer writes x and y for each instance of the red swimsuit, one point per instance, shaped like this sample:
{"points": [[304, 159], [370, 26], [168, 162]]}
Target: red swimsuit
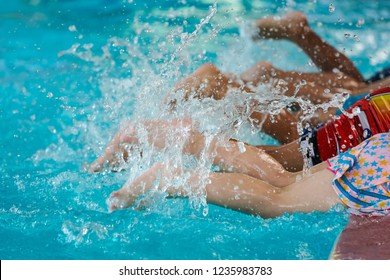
{"points": [[371, 115]]}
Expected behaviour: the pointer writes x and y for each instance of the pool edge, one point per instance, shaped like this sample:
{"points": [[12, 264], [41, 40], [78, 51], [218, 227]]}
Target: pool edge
{"points": [[363, 238]]}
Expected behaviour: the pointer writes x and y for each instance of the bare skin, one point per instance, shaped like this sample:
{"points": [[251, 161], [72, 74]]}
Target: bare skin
{"points": [[252, 180], [338, 74], [294, 27], [253, 161], [209, 81], [240, 192]]}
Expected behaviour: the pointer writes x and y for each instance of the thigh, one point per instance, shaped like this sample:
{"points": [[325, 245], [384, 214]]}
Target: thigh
{"points": [[313, 192], [247, 194], [288, 155], [207, 81], [283, 126], [318, 86], [252, 161]]}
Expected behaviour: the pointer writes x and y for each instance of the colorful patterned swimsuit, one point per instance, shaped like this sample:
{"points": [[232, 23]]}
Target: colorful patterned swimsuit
{"points": [[362, 176]]}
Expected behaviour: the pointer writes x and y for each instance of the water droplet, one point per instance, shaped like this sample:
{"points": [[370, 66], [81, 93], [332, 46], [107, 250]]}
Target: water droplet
{"points": [[360, 22], [52, 129], [347, 35], [356, 110], [241, 147], [72, 28], [331, 8]]}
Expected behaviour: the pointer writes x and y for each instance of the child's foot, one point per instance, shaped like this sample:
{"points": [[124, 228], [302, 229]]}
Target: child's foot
{"points": [[120, 200], [290, 26], [113, 161], [116, 153]]}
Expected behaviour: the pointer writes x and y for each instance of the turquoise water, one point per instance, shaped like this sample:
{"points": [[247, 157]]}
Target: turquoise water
{"points": [[72, 71]]}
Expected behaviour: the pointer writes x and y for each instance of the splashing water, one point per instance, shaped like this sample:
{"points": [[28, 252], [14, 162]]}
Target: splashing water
{"points": [[138, 91], [99, 85]]}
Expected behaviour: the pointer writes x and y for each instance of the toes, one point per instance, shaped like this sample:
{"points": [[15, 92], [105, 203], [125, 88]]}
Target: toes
{"points": [[96, 166], [113, 202], [113, 162], [116, 201]]}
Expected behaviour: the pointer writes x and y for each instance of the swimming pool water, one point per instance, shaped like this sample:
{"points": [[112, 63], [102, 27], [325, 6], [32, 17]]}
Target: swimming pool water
{"points": [[59, 107]]}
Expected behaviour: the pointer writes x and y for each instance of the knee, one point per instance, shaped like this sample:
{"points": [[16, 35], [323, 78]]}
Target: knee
{"points": [[208, 69], [260, 72]]}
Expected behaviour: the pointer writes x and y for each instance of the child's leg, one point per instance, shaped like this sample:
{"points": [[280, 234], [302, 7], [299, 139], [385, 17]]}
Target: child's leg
{"points": [[294, 26], [206, 81], [157, 133], [126, 196], [209, 81], [254, 162], [247, 194], [240, 192], [288, 155], [314, 87], [113, 155], [231, 157]]}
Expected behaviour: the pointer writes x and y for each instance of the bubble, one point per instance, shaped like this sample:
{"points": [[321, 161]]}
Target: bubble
{"points": [[72, 28], [241, 147], [52, 129], [360, 22], [356, 110], [331, 8]]}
